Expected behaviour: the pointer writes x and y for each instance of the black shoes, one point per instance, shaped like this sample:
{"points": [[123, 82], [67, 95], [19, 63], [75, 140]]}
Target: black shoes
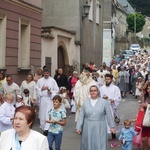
{"points": [[45, 132]]}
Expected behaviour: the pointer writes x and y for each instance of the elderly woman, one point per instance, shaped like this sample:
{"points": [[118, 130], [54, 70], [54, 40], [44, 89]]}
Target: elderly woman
{"points": [[123, 81], [94, 114], [22, 137]]}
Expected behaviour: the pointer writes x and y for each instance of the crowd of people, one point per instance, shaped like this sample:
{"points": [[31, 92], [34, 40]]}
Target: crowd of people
{"points": [[93, 95]]}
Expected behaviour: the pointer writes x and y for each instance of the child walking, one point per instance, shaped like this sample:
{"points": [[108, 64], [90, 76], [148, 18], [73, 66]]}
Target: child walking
{"points": [[27, 99], [7, 111], [126, 135], [138, 91], [63, 94], [57, 119], [19, 101]]}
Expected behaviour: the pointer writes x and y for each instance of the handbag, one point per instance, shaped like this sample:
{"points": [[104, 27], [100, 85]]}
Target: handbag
{"points": [[139, 119], [146, 120]]}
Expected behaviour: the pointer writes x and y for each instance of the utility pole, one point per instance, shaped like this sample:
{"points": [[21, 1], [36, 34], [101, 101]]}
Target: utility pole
{"points": [[135, 25]]}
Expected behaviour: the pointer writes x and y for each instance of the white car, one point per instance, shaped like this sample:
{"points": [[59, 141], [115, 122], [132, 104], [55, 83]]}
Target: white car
{"points": [[135, 47], [128, 54]]}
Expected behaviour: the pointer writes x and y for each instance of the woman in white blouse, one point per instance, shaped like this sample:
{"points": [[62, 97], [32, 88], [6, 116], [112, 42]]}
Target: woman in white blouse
{"points": [[30, 85], [22, 137]]}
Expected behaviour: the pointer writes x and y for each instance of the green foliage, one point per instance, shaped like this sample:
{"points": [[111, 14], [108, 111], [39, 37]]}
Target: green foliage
{"points": [[140, 22]]}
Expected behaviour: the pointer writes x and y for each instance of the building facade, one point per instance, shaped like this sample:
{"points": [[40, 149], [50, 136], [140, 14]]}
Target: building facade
{"points": [[59, 50], [115, 35], [20, 37], [108, 30], [68, 15]]}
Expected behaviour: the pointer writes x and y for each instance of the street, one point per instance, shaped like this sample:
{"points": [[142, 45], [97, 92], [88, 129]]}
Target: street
{"points": [[128, 109]]}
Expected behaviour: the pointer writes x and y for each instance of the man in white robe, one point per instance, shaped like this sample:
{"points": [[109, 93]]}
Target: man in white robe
{"points": [[111, 93], [10, 87], [47, 88], [81, 90]]}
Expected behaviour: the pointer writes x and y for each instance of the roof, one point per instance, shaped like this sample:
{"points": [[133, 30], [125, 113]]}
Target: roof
{"points": [[129, 8]]}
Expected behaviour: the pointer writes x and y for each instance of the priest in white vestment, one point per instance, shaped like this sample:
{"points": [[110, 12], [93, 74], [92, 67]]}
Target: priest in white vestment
{"points": [[47, 88], [111, 93], [81, 90]]}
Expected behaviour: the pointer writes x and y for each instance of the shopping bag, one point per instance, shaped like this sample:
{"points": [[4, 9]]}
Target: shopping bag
{"points": [[146, 120], [137, 140], [139, 119]]}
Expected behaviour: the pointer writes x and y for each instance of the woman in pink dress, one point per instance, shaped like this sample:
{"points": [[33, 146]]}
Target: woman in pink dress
{"points": [[71, 82]]}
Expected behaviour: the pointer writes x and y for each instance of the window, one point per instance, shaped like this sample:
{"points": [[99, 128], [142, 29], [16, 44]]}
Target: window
{"points": [[24, 44], [91, 10], [3, 19]]}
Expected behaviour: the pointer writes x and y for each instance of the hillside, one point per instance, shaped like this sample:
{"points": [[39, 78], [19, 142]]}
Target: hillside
{"points": [[142, 6]]}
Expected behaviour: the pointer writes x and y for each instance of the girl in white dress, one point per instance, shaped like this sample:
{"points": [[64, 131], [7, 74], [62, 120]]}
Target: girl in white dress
{"points": [[138, 91], [63, 94], [19, 101]]}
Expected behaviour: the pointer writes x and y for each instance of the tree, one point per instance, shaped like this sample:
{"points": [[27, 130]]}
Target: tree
{"points": [[140, 22]]}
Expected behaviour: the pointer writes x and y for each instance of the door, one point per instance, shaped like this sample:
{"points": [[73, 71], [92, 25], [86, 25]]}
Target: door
{"points": [[48, 63]]}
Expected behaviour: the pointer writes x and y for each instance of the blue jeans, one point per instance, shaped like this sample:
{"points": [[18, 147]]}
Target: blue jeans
{"points": [[127, 146], [54, 137]]}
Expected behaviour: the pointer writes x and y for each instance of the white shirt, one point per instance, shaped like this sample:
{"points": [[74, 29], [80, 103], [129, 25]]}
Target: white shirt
{"points": [[50, 83], [30, 86], [13, 88], [35, 141], [27, 100], [6, 113], [93, 102], [18, 104], [143, 73], [101, 78], [113, 92]]}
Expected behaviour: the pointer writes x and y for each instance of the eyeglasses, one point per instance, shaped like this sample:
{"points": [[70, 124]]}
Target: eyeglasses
{"points": [[93, 90]]}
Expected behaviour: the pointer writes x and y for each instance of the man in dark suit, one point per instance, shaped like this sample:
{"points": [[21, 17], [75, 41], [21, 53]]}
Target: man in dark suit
{"points": [[61, 79]]}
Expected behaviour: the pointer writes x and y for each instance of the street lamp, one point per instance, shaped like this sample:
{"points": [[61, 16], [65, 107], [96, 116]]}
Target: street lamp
{"points": [[86, 8]]}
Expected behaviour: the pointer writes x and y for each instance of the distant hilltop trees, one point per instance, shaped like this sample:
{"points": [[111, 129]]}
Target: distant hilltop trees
{"points": [[142, 6]]}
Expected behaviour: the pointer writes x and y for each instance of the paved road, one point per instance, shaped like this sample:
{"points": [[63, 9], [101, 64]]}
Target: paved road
{"points": [[128, 109]]}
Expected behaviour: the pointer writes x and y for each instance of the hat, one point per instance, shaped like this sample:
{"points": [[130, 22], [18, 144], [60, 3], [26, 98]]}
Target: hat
{"points": [[62, 88], [19, 96]]}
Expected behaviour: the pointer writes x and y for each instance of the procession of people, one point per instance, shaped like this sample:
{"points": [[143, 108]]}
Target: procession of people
{"points": [[93, 95]]}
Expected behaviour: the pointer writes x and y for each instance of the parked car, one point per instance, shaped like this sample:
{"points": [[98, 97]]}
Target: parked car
{"points": [[128, 53], [135, 47]]}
